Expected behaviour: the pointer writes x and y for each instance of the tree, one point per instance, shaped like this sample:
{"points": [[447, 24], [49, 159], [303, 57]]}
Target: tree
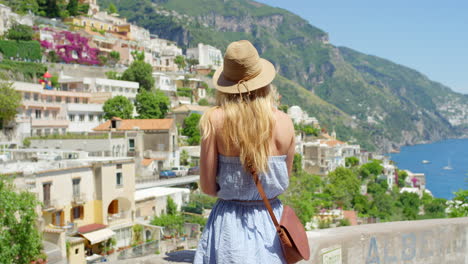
{"points": [[191, 62], [297, 163], [171, 206], [20, 241], [410, 205], [190, 128], [151, 104], [301, 195], [435, 208], [141, 72], [203, 102], [372, 168], [361, 204], [180, 61], [119, 106], [113, 75], [10, 100], [114, 57], [458, 206], [351, 161], [20, 32], [402, 175], [72, 7], [184, 157], [112, 9], [343, 186], [52, 9]]}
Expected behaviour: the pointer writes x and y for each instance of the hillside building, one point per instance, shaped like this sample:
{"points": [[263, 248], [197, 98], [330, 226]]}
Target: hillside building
{"points": [[207, 56]]}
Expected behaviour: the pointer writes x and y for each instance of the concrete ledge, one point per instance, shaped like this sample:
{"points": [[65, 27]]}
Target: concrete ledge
{"points": [[438, 241]]}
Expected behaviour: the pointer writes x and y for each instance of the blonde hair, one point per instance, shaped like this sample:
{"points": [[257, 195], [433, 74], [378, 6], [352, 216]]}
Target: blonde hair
{"points": [[248, 123]]}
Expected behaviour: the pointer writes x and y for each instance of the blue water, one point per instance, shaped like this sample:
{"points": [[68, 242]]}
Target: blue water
{"points": [[442, 183]]}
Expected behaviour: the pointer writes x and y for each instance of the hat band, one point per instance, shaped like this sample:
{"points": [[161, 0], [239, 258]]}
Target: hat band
{"points": [[243, 80]]}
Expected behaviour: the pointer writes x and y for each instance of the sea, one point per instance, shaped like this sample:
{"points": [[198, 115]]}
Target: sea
{"points": [[442, 183]]}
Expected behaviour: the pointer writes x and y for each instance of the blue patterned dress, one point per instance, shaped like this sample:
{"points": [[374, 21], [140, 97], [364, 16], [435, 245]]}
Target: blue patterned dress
{"points": [[243, 232]]}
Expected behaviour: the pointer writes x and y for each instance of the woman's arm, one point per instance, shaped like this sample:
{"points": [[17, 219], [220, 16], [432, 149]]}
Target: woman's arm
{"points": [[291, 152], [209, 165]]}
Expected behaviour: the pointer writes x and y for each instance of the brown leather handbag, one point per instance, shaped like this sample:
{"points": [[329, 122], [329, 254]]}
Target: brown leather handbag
{"points": [[290, 230]]}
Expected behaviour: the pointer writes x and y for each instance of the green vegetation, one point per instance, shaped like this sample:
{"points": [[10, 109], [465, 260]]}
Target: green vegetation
{"points": [[48, 8], [140, 71], [20, 32], [185, 92], [190, 129], [180, 62], [118, 106], [203, 102], [152, 104], [25, 50], [308, 194], [19, 70], [10, 100], [20, 241]]}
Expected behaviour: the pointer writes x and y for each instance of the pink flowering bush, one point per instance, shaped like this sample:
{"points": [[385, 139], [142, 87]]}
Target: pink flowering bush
{"points": [[72, 48]]}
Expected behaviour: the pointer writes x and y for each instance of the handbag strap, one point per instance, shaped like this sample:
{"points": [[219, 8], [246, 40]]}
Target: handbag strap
{"points": [[254, 173]]}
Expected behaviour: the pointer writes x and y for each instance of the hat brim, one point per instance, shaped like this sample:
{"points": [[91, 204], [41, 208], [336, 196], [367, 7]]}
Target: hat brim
{"points": [[265, 77]]}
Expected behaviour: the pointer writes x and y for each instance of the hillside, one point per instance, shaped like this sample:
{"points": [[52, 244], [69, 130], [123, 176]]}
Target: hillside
{"points": [[369, 99]]}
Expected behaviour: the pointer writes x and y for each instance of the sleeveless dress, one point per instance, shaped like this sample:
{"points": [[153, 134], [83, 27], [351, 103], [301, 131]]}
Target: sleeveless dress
{"points": [[243, 232]]}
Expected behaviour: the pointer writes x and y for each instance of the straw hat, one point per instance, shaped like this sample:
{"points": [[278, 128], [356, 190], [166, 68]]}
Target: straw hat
{"points": [[243, 70]]}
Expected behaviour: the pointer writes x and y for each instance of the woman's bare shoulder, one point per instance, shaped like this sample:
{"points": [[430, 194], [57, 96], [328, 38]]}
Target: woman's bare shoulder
{"points": [[284, 122]]}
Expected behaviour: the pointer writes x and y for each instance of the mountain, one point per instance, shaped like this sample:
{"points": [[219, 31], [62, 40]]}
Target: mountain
{"points": [[364, 98]]}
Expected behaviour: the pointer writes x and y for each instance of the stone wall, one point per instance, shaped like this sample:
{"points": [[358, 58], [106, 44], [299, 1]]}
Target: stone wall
{"points": [[410, 242]]}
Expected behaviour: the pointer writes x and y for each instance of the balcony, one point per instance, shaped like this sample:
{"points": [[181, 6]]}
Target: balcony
{"points": [[115, 218], [58, 122], [84, 107], [79, 198], [49, 205]]}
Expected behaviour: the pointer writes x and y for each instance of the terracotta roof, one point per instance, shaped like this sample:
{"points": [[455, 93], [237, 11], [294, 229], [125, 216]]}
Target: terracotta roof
{"points": [[142, 124], [332, 143], [90, 228], [187, 108], [147, 162]]}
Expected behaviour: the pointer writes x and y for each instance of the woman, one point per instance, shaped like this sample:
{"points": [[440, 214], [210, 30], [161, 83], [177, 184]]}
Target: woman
{"points": [[244, 126]]}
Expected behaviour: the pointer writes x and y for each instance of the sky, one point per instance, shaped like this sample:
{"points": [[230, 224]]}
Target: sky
{"points": [[429, 36]]}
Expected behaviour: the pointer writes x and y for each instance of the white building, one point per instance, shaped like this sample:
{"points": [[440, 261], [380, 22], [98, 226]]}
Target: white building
{"points": [[161, 53], [207, 56], [102, 89], [301, 117], [164, 82], [8, 18]]}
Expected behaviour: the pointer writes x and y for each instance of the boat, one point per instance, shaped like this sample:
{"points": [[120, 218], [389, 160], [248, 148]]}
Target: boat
{"points": [[425, 162], [448, 167]]}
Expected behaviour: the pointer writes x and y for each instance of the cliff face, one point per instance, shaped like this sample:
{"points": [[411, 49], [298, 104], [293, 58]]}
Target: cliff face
{"points": [[367, 99]]}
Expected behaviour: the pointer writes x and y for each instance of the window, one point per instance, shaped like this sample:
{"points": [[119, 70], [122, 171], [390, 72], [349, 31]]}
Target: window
{"points": [[85, 100], [36, 97], [81, 118], [131, 144], [77, 212], [71, 117], [46, 192], [67, 100], [46, 113], [58, 99], [27, 96], [119, 166], [77, 100], [54, 114], [119, 179], [77, 251], [49, 99], [76, 187], [38, 113], [91, 118]]}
